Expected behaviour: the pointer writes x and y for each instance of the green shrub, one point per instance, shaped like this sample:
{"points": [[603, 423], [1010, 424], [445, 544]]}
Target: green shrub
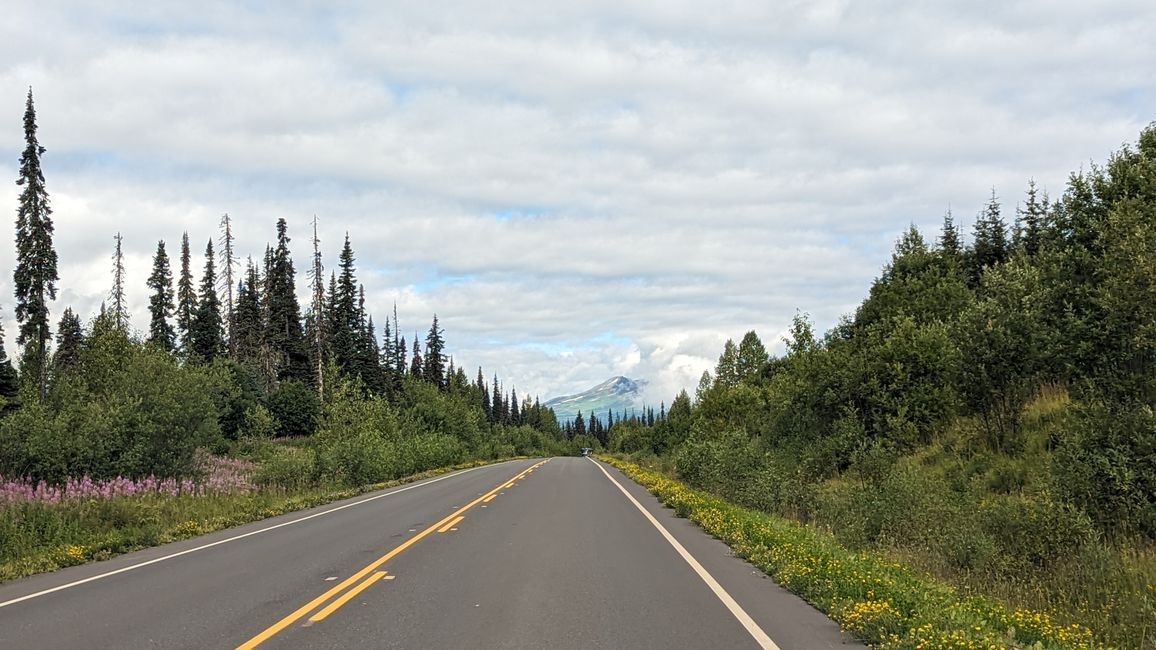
{"points": [[1106, 464], [296, 408], [1034, 532], [287, 468], [124, 410]]}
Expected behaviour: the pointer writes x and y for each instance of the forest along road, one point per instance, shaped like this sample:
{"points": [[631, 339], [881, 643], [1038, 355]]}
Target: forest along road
{"points": [[555, 553]]}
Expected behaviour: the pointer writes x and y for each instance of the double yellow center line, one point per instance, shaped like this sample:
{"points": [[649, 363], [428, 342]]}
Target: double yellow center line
{"points": [[448, 522]]}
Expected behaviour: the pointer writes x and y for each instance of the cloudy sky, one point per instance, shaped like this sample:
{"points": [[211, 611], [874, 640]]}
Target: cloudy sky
{"points": [[578, 192]]}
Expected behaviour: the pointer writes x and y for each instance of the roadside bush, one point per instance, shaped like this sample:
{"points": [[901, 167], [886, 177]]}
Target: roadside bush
{"points": [[1106, 464], [289, 468], [236, 391], [353, 438], [125, 410], [1034, 532], [629, 437], [258, 422], [715, 463], [296, 408]]}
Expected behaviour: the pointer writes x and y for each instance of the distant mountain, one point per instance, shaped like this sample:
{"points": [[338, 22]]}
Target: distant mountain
{"points": [[616, 394]]}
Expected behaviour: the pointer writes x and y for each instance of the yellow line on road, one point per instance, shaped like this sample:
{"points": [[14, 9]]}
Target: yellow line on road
{"points": [[346, 597], [489, 498], [455, 522], [316, 602]]}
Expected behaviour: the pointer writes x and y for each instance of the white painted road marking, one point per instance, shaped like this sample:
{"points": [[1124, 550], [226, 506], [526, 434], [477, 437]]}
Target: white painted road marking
{"points": [[745, 619]]}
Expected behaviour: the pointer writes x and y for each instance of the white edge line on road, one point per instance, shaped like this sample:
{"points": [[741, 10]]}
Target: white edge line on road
{"points": [[747, 622], [232, 539]]}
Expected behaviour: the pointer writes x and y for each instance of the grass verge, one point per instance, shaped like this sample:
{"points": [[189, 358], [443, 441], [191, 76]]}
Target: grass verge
{"points": [[880, 602], [39, 537]]}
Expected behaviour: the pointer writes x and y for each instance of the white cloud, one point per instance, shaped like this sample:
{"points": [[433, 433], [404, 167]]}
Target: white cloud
{"points": [[594, 189]]}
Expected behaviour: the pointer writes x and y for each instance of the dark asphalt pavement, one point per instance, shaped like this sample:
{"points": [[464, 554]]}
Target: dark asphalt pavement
{"points": [[560, 558]]}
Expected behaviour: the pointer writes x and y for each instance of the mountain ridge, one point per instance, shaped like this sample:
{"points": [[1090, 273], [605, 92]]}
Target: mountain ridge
{"points": [[616, 394]]}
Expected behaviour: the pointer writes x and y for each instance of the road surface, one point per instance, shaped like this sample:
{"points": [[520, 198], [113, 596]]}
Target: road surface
{"points": [[546, 553]]}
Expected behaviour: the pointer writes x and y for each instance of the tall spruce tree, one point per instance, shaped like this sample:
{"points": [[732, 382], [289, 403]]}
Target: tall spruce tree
{"points": [[249, 328], [950, 242], [161, 305], [283, 333], [415, 370], [344, 328], [35, 275], [207, 332], [186, 298], [69, 341], [369, 359], [434, 370], [497, 408], [119, 306], [388, 357], [1030, 222], [484, 393]]}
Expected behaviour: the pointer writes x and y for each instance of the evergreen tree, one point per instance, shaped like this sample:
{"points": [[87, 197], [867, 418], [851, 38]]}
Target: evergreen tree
{"points": [[515, 414], [344, 326], [1030, 222], [751, 359], [727, 372], [248, 328], [991, 243], [484, 390], [497, 409], [69, 341], [579, 425], [283, 333], [35, 275], [367, 362], [206, 334], [186, 298], [161, 305], [434, 371], [705, 383], [415, 367], [950, 242], [402, 368], [9, 381], [119, 306], [388, 357]]}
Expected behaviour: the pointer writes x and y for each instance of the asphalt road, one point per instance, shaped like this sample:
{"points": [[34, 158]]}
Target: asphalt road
{"points": [[546, 554]]}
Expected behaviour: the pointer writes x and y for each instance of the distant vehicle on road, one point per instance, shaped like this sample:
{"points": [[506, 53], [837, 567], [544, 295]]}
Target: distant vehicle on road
{"points": [[586, 451]]}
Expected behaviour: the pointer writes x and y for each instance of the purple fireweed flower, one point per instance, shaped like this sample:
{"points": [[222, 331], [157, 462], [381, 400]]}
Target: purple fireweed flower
{"points": [[219, 476]]}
